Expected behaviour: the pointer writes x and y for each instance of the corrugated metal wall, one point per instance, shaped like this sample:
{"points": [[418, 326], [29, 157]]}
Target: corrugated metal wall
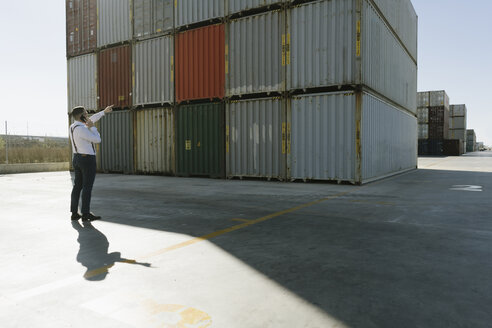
{"points": [[194, 11], [153, 71], [82, 83], [152, 17], [457, 110], [154, 144], [388, 140], [457, 122], [423, 132], [423, 99], [114, 77], [255, 52], [323, 137], [438, 98], [235, 6], [81, 26], [386, 67], [200, 63], [423, 115], [116, 146], [403, 19], [322, 44], [114, 21], [200, 140], [256, 138]]}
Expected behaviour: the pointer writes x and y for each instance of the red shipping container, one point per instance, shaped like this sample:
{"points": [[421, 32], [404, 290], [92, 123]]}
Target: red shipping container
{"points": [[114, 77], [81, 26], [200, 63]]}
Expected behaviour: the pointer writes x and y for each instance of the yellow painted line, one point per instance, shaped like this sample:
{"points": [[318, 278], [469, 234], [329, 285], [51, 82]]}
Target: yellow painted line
{"points": [[243, 225], [241, 220]]}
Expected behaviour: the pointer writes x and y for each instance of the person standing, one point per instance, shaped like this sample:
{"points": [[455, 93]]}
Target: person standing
{"points": [[83, 135]]}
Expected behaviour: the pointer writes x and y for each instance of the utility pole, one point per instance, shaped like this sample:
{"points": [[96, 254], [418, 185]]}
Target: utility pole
{"points": [[6, 144]]}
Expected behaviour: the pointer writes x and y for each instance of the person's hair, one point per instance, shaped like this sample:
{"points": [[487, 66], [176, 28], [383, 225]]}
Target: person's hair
{"points": [[77, 112]]}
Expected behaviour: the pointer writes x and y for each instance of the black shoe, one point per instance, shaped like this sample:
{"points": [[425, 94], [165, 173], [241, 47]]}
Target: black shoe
{"points": [[75, 216], [90, 217]]}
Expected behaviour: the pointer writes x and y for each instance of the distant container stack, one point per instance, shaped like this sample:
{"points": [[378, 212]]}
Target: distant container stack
{"points": [[274, 89], [471, 140], [433, 118], [457, 124]]}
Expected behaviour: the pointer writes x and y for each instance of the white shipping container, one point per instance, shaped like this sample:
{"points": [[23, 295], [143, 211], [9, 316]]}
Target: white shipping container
{"points": [[457, 122], [114, 22], [423, 131], [457, 110], [152, 17], [457, 134], [154, 150], [82, 82], [153, 71], [235, 6], [423, 99], [423, 115], [323, 138], [194, 11], [324, 50], [255, 138], [439, 98], [254, 51]]}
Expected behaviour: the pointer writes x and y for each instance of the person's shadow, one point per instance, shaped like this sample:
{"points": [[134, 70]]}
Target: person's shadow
{"points": [[93, 252]]}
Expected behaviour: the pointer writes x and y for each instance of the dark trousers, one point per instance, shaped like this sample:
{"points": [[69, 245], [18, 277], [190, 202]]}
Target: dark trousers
{"points": [[85, 173]]}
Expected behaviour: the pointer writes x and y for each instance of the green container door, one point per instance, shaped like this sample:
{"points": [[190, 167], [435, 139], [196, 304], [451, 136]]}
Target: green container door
{"points": [[200, 140]]}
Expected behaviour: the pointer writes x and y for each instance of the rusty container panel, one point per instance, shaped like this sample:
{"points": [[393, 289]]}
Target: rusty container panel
{"points": [[114, 77], [81, 16], [200, 63]]}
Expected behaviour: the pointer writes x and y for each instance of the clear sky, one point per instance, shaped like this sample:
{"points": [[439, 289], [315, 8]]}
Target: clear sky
{"points": [[454, 54]]}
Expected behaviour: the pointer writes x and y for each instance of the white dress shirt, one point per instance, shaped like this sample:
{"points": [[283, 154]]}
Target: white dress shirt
{"points": [[83, 138]]}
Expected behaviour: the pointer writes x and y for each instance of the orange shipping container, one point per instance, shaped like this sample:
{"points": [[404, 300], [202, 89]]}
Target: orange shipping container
{"points": [[81, 26], [114, 77], [200, 63]]}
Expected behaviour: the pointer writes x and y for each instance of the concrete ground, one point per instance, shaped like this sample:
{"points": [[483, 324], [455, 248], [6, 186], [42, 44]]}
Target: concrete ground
{"points": [[413, 250]]}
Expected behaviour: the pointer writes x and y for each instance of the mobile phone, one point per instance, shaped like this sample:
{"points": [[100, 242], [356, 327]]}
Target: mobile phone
{"points": [[82, 118]]}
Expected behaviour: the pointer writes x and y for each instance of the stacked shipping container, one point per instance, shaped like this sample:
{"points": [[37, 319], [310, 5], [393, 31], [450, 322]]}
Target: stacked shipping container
{"points": [[322, 90], [433, 120], [471, 140], [457, 125]]}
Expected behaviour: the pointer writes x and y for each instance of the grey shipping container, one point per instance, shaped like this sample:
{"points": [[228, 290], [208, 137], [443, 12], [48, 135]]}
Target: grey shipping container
{"points": [[439, 98], [423, 115], [154, 144], [82, 82], [152, 17], [254, 53], [194, 11], [423, 132], [457, 110], [153, 71], [457, 122], [114, 22], [256, 138], [330, 45], [457, 134], [116, 146], [354, 137], [235, 6], [423, 99]]}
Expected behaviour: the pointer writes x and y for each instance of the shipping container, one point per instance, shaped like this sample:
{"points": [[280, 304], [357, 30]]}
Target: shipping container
{"points": [[254, 51], [116, 148], [256, 138], [81, 25], [453, 147], [114, 22], [114, 77], [423, 99], [235, 6], [457, 110], [457, 134], [432, 147], [423, 132], [437, 131], [324, 143], [402, 17], [82, 82], [457, 122], [327, 45], [200, 140], [189, 12], [439, 98], [153, 71], [152, 17], [200, 63], [154, 144], [423, 115]]}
